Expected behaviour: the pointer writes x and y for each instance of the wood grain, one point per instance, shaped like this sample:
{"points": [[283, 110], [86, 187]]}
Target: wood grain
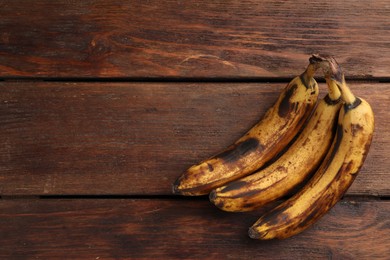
{"points": [[137, 138], [154, 38], [181, 229]]}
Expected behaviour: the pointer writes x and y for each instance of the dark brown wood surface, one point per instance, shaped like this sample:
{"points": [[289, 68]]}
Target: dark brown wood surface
{"points": [[104, 103], [211, 39], [177, 229], [137, 138]]}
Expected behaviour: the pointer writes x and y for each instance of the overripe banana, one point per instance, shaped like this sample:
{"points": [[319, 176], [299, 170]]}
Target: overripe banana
{"points": [[260, 144], [334, 176], [294, 167]]}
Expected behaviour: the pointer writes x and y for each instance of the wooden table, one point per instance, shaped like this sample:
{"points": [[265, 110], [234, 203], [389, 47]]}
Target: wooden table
{"points": [[104, 103]]}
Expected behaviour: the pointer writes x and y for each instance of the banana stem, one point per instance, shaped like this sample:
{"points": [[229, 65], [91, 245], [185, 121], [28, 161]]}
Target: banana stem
{"points": [[311, 70], [337, 76], [346, 94], [333, 90], [308, 75]]}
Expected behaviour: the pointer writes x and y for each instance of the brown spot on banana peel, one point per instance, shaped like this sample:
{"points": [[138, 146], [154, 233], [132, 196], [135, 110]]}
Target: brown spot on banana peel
{"points": [[234, 186], [272, 218], [244, 192], [356, 128], [285, 106], [281, 168], [306, 82], [315, 212], [250, 193], [210, 167], [238, 150], [365, 153]]}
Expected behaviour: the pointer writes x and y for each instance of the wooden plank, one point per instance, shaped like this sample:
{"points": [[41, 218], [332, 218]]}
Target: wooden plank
{"points": [[181, 229], [137, 138], [251, 38]]}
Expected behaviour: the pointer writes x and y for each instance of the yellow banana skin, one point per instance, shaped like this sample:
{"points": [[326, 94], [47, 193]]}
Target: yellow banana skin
{"points": [[260, 144], [335, 175], [292, 168]]}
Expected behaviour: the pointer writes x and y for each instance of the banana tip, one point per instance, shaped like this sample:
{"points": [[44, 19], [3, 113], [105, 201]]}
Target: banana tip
{"points": [[175, 188], [253, 233], [212, 196]]}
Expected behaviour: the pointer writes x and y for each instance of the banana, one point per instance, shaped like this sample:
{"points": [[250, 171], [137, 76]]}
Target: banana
{"points": [[260, 144], [294, 167], [334, 176]]}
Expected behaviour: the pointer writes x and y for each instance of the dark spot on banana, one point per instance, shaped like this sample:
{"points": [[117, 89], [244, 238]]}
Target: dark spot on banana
{"points": [[316, 125], [272, 217], [285, 105], [211, 168], [213, 197], [283, 218], [249, 205], [304, 81], [355, 128], [219, 204], [337, 177], [310, 218], [366, 149], [235, 153], [250, 193], [246, 194], [281, 168], [349, 167], [234, 186]]}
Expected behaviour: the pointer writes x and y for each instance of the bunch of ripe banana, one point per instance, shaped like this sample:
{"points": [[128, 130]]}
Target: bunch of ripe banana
{"points": [[317, 149]]}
